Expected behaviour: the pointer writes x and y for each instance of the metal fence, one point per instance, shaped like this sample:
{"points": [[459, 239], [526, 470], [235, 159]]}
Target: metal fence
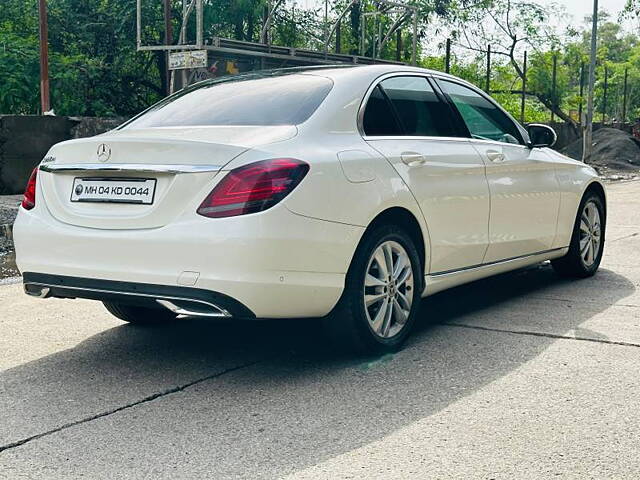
{"points": [[612, 100]]}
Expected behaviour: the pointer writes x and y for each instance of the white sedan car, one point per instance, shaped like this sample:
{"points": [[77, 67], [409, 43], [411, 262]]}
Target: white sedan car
{"points": [[339, 192]]}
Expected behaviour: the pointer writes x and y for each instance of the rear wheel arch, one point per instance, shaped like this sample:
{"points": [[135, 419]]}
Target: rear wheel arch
{"points": [[403, 218]]}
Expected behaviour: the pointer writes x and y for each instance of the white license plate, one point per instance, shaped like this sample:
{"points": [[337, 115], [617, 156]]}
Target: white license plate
{"points": [[114, 190]]}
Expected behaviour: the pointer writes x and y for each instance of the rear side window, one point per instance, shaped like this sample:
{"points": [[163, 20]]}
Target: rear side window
{"points": [[484, 119], [379, 117], [407, 106], [420, 111], [273, 100]]}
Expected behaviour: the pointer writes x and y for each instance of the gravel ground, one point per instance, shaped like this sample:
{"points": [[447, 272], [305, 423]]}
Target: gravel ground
{"points": [[9, 208], [8, 211]]}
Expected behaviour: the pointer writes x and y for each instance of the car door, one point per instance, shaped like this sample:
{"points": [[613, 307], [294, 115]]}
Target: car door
{"points": [[525, 195], [412, 126]]}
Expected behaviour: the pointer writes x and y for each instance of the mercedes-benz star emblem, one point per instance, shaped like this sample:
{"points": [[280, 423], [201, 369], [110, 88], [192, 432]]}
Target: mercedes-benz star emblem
{"points": [[104, 152]]}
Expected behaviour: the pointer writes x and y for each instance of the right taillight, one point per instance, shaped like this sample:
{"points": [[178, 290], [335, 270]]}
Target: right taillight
{"points": [[29, 198], [253, 188]]}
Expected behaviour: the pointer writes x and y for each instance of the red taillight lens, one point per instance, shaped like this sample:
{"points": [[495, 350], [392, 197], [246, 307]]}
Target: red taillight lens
{"points": [[29, 198], [253, 188]]}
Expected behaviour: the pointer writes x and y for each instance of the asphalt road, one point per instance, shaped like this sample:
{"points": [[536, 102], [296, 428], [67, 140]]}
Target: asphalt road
{"points": [[520, 376]]}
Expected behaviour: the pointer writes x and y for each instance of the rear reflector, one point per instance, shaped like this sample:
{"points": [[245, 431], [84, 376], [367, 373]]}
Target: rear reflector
{"points": [[254, 187], [29, 198]]}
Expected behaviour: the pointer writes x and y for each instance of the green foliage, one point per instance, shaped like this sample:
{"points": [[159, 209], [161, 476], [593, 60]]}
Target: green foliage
{"points": [[96, 70]]}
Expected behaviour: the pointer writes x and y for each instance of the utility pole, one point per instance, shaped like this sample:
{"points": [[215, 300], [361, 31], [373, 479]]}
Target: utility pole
{"points": [[588, 131], [414, 41], [326, 26], [45, 103]]}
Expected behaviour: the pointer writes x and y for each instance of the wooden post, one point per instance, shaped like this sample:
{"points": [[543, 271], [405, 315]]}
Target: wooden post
{"points": [[488, 81], [581, 92], [524, 88], [168, 40], [447, 57], [624, 95], [45, 102], [553, 85], [604, 100]]}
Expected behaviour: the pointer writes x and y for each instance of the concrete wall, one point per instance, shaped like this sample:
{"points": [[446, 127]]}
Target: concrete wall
{"points": [[25, 139]]}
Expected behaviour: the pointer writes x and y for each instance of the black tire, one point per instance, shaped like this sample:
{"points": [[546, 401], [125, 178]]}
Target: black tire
{"points": [[572, 265], [348, 326], [139, 315]]}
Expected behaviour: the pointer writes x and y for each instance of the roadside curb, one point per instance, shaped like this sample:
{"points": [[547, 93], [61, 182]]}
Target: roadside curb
{"points": [[6, 231]]}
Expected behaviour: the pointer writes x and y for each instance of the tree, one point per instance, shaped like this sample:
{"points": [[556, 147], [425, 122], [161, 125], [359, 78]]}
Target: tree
{"points": [[510, 27]]}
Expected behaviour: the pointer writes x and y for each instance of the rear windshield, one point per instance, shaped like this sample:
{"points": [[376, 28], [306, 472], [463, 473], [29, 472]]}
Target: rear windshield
{"points": [[272, 100]]}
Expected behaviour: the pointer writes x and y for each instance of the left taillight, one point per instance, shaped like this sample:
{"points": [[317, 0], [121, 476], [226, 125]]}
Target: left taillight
{"points": [[29, 198], [253, 188]]}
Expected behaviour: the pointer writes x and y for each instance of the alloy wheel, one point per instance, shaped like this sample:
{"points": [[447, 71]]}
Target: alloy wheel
{"points": [[590, 234], [388, 289]]}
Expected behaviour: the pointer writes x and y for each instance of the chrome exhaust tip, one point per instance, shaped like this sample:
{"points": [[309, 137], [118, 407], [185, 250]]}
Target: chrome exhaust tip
{"points": [[37, 291], [205, 309]]}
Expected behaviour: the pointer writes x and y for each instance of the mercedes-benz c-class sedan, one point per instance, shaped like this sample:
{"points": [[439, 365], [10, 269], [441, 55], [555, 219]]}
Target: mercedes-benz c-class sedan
{"points": [[346, 193]]}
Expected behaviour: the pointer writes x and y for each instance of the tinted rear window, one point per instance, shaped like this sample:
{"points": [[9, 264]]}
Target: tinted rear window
{"points": [[274, 100], [379, 118], [419, 109]]}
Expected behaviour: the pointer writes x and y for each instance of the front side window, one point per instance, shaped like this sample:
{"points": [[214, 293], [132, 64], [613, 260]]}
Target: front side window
{"points": [[484, 120], [246, 100]]}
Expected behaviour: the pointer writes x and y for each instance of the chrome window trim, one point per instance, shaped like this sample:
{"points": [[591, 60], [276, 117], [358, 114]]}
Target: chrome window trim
{"points": [[497, 143], [415, 137], [128, 167]]}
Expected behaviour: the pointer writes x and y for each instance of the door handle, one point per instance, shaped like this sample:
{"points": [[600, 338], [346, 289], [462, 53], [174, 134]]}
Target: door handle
{"points": [[412, 159], [495, 156]]}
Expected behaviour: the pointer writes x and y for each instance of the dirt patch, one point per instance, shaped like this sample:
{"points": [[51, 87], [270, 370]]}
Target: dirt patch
{"points": [[614, 152]]}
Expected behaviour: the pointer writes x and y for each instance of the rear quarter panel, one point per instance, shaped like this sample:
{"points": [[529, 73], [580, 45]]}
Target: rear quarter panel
{"points": [[348, 182]]}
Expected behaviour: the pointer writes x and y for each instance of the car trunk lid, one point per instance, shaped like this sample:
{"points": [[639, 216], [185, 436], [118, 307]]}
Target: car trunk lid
{"points": [[180, 163]]}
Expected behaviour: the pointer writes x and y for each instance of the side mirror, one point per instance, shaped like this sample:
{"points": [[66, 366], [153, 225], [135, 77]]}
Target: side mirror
{"points": [[541, 135]]}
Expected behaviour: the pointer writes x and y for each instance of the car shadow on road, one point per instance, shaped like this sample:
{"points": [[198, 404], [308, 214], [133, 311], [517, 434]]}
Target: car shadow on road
{"points": [[275, 391]]}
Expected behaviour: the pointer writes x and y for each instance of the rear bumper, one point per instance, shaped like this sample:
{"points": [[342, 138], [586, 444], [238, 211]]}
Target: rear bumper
{"points": [[275, 264], [192, 300]]}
